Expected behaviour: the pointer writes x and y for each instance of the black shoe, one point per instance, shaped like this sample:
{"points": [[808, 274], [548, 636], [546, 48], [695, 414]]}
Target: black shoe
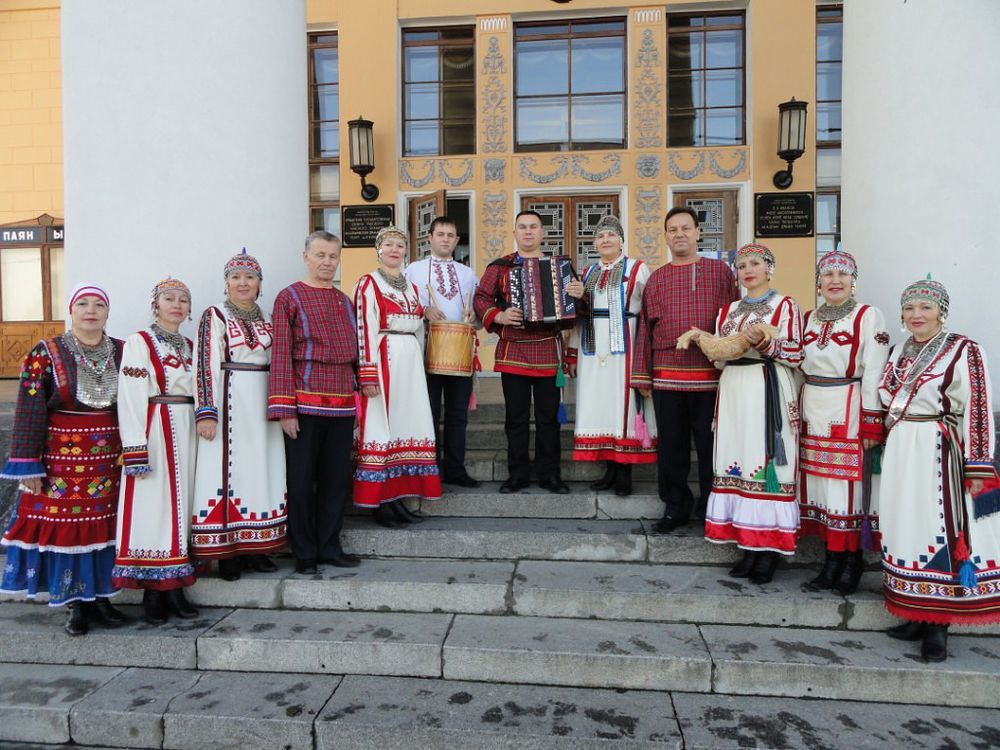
{"points": [[512, 485], [463, 481], [743, 567], [179, 604], [343, 560], [911, 630], [935, 645], [555, 485], [102, 611], [623, 480], [306, 567], [404, 514], [384, 516], [607, 481], [260, 563], [230, 569], [833, 568], [76, 622], [764, 567], [851, 576], [667, 524], [154, 607]]}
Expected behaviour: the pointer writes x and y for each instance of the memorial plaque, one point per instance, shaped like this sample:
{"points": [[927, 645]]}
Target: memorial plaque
{"points": [[360, 224], [783, 214]]}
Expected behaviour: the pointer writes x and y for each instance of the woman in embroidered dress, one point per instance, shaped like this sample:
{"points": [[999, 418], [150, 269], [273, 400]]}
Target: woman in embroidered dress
{"points": [[940, 496], [156, 421], [606, 403], [239, 488], [845, 346], [64, 451], [753, 501], [396, 451]]}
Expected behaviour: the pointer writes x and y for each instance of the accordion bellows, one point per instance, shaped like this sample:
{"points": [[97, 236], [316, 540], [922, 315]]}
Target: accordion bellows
{"points": [[723, 348], [538, 288]]}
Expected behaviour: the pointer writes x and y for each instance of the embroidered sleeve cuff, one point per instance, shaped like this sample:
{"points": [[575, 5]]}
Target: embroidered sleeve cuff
{"points": [[872, 425], [133, 456], [367, 375], [206, 414], [981, 470], [23, 468], [134, 471], [281, 411], [488, 317], [570, 356]]}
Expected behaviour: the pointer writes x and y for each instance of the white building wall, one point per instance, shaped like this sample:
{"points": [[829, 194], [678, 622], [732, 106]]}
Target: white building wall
{"points": [[921, 166], [185, 132]]}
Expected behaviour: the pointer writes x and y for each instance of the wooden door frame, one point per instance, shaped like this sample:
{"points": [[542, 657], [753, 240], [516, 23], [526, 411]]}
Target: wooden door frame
{"points": [[569, 199]]}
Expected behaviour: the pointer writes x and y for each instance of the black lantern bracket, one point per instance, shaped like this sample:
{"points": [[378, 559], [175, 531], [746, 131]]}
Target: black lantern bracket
{"points": [[362, 144], [791, 139]]}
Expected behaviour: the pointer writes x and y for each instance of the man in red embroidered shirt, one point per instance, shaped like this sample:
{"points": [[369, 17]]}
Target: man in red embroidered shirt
{"points": [[687, 292], [527, 358], [311, 390]]}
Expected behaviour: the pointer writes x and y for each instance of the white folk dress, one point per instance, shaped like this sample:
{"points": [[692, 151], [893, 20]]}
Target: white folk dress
{"points": [[239, 495], [154, 507], [396, 448], [843, 363], [744, 507], [605, 396], [940, 437]]}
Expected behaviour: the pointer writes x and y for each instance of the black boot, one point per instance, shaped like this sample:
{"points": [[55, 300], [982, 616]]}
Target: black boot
{"points": [[260, 563], [623, 480], [935, 645], [230, 569], [851, 577], [179, 604], [764, 567], [76, 623], [743, 567], [833, 568], [154, 606], [404, 514], [607, 481], [384, 516], [910, 630], [102, 611]]}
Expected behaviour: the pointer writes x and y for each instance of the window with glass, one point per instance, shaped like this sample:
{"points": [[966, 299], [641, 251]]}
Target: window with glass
{"points": [[439, 91], [324, 133], [705, 80], [829, 64], [569, 82]]}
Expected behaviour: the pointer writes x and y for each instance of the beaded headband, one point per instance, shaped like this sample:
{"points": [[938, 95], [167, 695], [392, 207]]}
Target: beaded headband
{"points": [[243, 262], [386, 231], [926, 289], [169, 284], [837, 260], [610, 223], [88, 290], [755, 248]]}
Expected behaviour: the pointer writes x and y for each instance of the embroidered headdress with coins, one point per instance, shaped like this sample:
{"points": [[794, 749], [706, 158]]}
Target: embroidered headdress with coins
{"points": [[929, 290]]}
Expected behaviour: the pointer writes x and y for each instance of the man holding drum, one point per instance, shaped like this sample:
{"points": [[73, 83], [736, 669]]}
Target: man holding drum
{"points": [[528, 356], [446, 288]]}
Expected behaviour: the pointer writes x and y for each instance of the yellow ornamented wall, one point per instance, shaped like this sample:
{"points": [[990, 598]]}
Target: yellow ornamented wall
{"points": [[31, 180]]}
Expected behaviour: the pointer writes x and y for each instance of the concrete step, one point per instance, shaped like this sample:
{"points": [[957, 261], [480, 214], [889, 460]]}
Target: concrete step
{"points": [[534, 502], [150, 708], [491, 465]]}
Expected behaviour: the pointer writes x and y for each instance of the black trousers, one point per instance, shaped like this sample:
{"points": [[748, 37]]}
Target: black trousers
{"points": [[319, 475], [681, 415], [517, 393], [456, 391]]}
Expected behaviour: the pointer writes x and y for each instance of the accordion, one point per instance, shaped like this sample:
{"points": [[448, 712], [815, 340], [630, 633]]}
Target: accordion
{"points": [[538, 288]]}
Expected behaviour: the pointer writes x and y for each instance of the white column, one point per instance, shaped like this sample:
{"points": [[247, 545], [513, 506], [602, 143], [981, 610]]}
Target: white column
{"points": [[185, 134], [921, 167]]}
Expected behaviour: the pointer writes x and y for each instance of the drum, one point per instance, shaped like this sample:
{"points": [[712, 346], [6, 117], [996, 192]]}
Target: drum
{"points": [[450, 347]]}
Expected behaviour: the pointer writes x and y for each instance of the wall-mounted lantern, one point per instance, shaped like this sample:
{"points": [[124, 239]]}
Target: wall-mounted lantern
{"points": [[363, 154], [791, 138]]}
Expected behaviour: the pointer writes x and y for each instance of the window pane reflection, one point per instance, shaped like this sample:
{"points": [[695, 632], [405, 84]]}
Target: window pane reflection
{"points": [[421, 63], [422, 138], [598, 65], [21, 283], [827, 167], [460, 138], [829, 41], [826, 214], [684, 128], [723, 88], [723, 127], [685, 51], [325, 67], [422, 101], [542, 67], [828, 77], [542, 121], [58, 279], [828, 121], [326, 218], [327, 102], [458, 64], [724, 49], [684, 90], [459, 102], [326, 137], [324, 183], [599, 119]]}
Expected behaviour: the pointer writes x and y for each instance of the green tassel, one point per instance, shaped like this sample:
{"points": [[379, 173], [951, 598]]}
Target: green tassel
{"points": [[876, 460], [560, 378], [771, 478]]}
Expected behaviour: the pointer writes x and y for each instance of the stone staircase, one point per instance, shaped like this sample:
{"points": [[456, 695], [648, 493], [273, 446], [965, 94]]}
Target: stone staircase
{"points": [[523, 621]]}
